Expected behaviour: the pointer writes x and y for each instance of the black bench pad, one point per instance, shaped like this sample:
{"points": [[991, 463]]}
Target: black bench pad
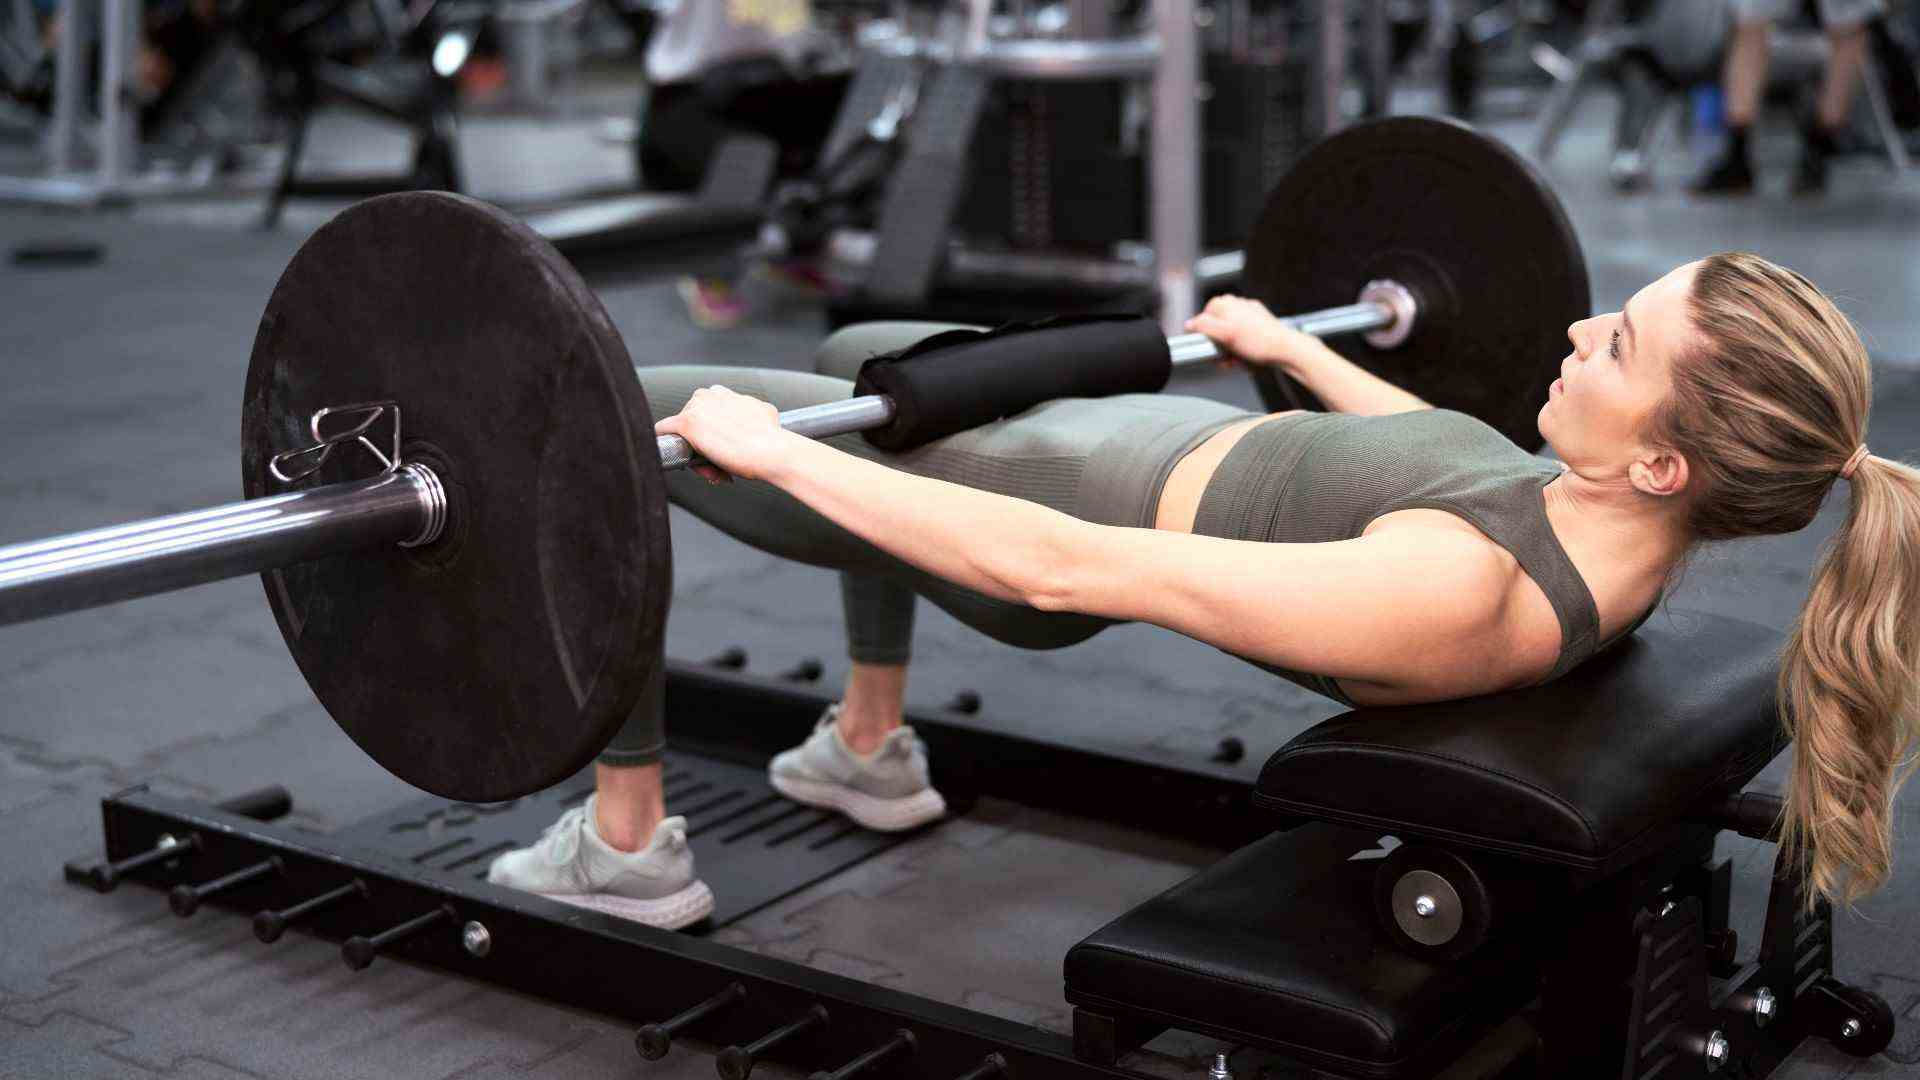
{"points": [[1582, 772], [1276, 945]]}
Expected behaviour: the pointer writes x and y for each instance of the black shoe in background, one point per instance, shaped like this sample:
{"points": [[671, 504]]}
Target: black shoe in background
{"points": [[1816, 149], [1729, 174]]}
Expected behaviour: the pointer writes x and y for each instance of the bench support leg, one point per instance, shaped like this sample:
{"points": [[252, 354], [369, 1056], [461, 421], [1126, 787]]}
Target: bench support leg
{"points": [[1102, 1038]]}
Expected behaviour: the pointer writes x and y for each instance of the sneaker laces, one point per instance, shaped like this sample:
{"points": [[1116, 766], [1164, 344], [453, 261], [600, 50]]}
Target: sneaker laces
{"points": [[561, 840]]}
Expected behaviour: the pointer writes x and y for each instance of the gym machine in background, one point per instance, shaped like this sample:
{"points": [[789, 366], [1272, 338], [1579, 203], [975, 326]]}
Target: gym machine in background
{"points": [[376, 55], [1188, 115]]}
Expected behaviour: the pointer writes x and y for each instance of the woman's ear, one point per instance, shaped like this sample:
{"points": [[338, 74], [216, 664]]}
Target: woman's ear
{"points": [[1661, 473]]}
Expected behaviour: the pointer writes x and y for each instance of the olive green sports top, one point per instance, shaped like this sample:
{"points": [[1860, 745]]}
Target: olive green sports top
{"points": [[1320, 477]]}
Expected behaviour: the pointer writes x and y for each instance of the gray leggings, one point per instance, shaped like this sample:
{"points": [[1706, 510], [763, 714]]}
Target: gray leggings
{"points": [[1099, 459]]}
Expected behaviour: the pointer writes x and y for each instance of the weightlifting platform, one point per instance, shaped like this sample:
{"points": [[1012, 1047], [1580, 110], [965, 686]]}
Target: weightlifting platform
{"points": [[409, 884]]}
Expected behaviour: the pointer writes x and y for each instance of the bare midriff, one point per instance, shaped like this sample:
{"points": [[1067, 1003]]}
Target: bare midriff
{"points": [[1180, 496]]}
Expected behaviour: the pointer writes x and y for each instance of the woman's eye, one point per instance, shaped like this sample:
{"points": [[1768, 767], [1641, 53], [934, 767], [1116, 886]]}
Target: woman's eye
{"points": [[1613, 345]]}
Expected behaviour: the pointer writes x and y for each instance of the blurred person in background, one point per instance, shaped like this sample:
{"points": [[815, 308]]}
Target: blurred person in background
{"points": [[1744, 80]]}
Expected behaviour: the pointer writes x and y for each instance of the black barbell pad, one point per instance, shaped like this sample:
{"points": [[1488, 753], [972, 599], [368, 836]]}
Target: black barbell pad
{"points": [[962, 379]]}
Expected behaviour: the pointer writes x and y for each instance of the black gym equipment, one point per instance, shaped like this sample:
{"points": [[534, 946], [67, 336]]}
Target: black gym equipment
{"points": [[394, 73], [752, 184], [1590, 805], [511, 555]]}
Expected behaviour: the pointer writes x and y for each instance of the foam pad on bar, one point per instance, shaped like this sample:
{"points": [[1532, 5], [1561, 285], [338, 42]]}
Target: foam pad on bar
{"points": [[962, 379]]}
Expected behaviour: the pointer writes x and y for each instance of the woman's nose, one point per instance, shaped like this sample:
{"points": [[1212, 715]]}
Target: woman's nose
{"points": [[1581, 335]]}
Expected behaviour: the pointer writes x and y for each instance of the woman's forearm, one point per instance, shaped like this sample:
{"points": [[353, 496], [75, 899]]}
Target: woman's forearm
{"points": [[1344, 386], [996, 545]]}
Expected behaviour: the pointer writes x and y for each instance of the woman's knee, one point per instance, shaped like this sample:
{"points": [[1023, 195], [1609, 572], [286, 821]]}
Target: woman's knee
{"points": [[669, 386], [844, 350]]}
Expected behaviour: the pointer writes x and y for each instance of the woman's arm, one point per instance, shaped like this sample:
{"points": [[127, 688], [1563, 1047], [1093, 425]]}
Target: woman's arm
{"points": [[1422, 613], [996, 545], [1344, 386], [1408, 614], [993, 544], [1246, 329]]}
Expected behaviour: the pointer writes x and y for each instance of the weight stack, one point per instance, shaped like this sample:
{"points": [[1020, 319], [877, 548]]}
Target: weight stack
{"points": [[1255, 126], [1053, 171]]}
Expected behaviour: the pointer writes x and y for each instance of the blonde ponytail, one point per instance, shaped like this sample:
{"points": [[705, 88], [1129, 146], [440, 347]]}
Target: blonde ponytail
{"points": [[1847, 688], [1769, 405]]}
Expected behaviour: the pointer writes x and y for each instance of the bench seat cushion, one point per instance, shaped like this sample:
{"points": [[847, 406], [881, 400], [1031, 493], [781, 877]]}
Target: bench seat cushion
{"points": [[1586, 771]]}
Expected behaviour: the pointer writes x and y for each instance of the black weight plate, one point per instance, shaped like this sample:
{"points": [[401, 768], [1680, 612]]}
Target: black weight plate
{"points": [[501, 658], [1464, 223]]}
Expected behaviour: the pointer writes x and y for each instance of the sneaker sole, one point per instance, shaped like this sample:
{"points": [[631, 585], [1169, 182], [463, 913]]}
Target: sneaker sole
{"points": [[672, 912], [871, 811]]}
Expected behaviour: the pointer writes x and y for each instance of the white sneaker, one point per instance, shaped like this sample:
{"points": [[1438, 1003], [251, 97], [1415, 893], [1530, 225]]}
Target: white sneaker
{"points": [[887, 790], [572, 864]]}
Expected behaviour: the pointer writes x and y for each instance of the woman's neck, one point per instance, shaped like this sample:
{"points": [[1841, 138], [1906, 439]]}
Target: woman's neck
{"points": [[1634, 533]]}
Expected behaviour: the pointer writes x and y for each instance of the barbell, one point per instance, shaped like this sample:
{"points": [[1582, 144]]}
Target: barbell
{"points": [[483, 611]]}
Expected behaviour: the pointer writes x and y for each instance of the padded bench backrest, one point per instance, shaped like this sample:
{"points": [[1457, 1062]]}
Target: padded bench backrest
{"points": [[1582, 772]]}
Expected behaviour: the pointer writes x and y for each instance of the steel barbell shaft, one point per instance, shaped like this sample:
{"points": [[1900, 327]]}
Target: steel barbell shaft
{"points": [[41, 578], [1187, 350]]}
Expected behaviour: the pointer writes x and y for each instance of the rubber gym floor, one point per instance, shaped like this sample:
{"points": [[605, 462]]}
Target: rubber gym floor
{"points": [[121, 393]]}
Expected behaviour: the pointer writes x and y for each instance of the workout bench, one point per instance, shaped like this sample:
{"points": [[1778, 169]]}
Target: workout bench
{"points": [[1555, 840]]}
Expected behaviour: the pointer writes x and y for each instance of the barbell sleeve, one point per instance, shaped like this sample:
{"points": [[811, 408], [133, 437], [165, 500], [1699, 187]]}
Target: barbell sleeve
{"points": [[408, 507], [87, 569]]}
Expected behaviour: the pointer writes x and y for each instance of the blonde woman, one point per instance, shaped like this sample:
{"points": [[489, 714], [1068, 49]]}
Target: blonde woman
{"points": [[1380, 553]]}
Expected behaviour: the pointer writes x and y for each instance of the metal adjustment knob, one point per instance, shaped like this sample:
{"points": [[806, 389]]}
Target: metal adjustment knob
{"points": [[185, 899], [106, 876], [993, 1065], [1718, 1051], [808, 670], [654, 1040], [732, 659], [1219, 1071], [359, 951], [269, 925], [902, 1043], [475, 938], [737, 1062], [1765, 1007]]}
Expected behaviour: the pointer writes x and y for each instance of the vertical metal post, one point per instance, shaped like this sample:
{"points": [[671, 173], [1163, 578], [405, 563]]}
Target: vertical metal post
{"points": [[1330, 68], [1379, 37], [75, 24], [528, 63], [119, 39], [979, 25], [1175, 216]]}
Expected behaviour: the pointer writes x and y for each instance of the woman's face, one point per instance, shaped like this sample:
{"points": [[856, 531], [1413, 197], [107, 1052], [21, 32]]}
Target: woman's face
{"points": [[1616, 376]]}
